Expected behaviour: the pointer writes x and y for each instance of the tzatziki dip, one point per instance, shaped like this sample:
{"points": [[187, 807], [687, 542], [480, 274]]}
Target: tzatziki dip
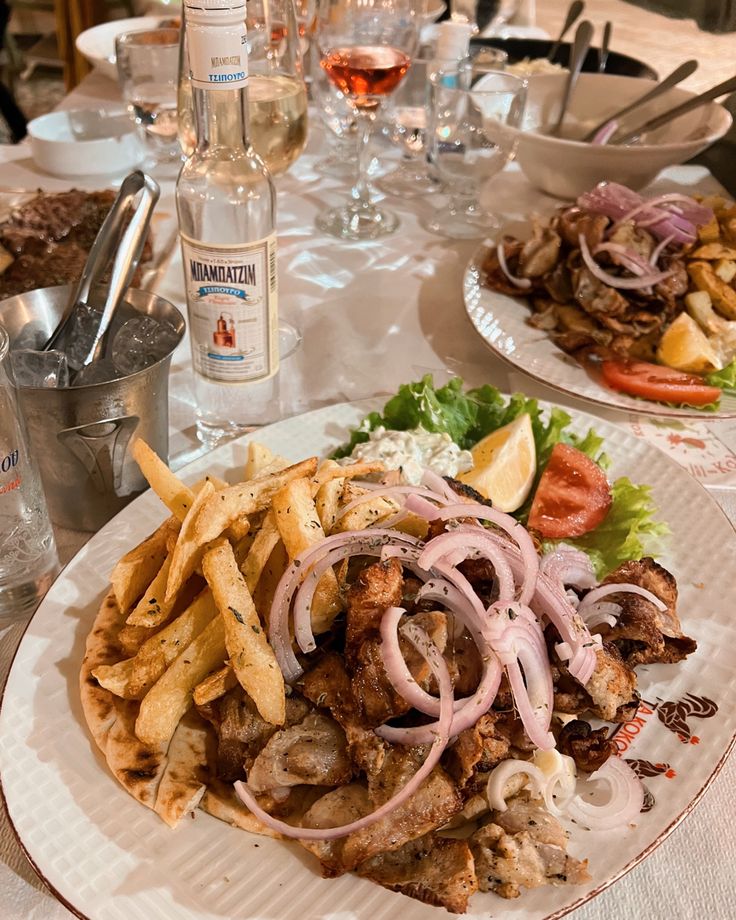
{"points": [[413, 451]]}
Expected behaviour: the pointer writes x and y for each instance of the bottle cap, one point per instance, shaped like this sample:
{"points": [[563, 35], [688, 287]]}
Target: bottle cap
{"points": [[453, 40], [219, 6]]}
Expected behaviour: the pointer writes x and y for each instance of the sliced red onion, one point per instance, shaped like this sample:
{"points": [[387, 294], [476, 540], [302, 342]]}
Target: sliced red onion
{"points": [[592, 597], [513, 528], [627, 284], [622, 204], [523, 283], [390, 493], [601, 612], [624, 803], [437, 484], [660, 248], [503, 772], [628, 258], [460, 545], [606, 132], [569, 566], [429, 651], [415, 504], [294, 576]]}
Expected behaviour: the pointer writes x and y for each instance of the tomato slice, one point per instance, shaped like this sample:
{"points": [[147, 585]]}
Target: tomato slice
{"points": [[658, 383], [573, 495]]}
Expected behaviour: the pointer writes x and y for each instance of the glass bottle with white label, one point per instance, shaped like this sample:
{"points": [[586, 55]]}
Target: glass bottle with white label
{"points": [[226, 204]]}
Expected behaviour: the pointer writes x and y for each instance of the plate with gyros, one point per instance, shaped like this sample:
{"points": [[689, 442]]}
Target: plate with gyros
{"points": [[284, 685], [623, 300]]}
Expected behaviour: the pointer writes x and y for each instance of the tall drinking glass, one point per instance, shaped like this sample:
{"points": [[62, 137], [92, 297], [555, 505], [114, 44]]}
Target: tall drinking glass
{"points": [[365, 48], [28, 560], [474, 135], [148, 68]]}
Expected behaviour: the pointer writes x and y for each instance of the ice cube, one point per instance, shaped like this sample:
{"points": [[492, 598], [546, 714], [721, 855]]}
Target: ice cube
{"points": [[39, 368], [141, 342], [33, 335], [102, 371]]}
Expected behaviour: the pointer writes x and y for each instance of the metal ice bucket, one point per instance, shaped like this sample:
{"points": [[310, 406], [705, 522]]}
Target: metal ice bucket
{"points": [[80, 436]]}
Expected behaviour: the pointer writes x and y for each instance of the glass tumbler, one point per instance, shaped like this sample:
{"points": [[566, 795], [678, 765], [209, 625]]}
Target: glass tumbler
{"points": [[148, 70], [28, 560], [474, 133]]}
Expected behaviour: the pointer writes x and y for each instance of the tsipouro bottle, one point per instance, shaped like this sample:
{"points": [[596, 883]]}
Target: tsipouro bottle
{"points": [[226, 204]]}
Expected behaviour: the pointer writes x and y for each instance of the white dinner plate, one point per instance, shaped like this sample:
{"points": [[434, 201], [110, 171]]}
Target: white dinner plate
{"points": [[110, 858], [501, 321]]}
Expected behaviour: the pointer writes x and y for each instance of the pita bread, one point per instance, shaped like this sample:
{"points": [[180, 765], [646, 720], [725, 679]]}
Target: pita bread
{"points": [[170, 779], [221, 802]]}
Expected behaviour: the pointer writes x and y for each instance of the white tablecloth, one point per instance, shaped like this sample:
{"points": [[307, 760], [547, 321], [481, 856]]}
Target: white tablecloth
{"points": [[375, 315]]}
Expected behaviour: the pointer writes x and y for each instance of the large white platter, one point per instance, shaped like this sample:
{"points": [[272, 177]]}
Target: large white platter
{"points": [[501, 321], [109, 858]]}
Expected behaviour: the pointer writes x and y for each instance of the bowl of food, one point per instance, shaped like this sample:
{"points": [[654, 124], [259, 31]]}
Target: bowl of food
{"points": [[84, 142], [530, 55], [567, 166], [97, 44]]}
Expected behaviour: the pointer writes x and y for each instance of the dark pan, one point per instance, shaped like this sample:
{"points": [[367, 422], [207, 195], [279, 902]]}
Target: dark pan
{"points": [[520, 48]]}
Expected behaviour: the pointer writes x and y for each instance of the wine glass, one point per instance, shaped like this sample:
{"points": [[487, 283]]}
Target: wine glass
{"points": [[365, 48], [473, 136]]}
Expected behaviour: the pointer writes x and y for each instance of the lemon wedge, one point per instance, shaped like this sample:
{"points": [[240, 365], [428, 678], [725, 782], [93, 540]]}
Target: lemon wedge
{"points": [[504, 464], [685, 347]]}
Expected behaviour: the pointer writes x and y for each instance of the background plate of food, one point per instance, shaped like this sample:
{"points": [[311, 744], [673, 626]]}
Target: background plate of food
{"points": [[624, 301], [107, 856]]}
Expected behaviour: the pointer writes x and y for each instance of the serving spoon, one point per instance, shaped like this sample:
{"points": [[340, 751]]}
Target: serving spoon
{"points": [[574, 12], [722, 89], [580, 46], [677, 76]]}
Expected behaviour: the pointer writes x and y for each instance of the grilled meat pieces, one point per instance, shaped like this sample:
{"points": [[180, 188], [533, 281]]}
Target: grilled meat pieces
{"points": [[523, 847]]}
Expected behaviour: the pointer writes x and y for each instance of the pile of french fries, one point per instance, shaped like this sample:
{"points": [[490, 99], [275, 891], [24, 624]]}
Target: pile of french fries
{"points": [[711, 264], [196, 594]]}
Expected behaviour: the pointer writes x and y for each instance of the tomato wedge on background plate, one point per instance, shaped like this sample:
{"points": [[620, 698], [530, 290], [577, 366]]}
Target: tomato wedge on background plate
{"points": [[658, 383], [573, 495]]}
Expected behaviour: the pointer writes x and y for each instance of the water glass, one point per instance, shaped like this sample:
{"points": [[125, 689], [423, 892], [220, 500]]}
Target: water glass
{"points": [[406, 117], [148, 69], [473, 136], [28, 560]]}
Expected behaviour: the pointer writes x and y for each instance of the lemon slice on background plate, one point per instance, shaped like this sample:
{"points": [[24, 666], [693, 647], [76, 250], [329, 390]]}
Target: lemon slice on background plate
{"points": [[685, 347], [504, 464]]}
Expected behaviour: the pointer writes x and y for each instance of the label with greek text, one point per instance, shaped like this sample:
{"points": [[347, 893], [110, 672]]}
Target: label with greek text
{"points": [[233, 315], [218, 56]]}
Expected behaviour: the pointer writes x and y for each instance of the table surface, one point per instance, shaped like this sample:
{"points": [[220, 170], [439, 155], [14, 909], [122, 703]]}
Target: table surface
{"points": [[374, 315]]}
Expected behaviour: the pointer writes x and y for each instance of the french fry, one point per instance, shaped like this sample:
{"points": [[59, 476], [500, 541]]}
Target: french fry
{"points": [[134, 572], [131, 638], [267, 583], [215, 685], [330, 470], [262, 461], [133, 677], [188, 551], [245, 498], [300, 528], [327, 502], [705, 279], [366, 514], [172, 694], [116, 677], [260, 551], [713, 251], [251, 656], [153, 609], [170, 489]]}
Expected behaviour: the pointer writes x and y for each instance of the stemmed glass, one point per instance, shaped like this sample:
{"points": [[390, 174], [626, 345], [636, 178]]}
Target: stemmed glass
{"points": [[474, 133], [365, 48]]}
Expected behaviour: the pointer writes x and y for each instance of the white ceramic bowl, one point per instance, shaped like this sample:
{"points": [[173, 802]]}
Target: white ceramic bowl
{"points": [[566, 168], [97, 44], [84, 142]]}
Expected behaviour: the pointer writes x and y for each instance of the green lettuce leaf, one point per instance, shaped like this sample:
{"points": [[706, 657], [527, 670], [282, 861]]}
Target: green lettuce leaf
{"points": [[629, 530], [724, 378], [467, 417]]}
